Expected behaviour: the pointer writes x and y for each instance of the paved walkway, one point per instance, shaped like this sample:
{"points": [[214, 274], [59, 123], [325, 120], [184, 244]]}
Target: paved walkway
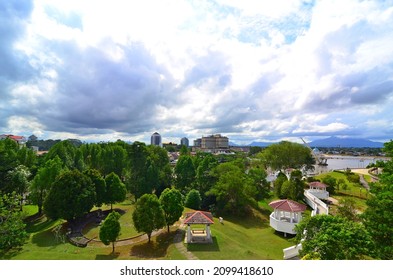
{"points": [[178, 240]]}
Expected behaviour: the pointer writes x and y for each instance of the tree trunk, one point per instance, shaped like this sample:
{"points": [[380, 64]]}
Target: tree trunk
{"points": [[149, 236], [168, 228], [113, 247]]}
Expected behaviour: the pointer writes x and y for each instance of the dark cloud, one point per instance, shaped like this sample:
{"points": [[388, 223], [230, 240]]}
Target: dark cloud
{"points": [[96, 91], [14, 65]]}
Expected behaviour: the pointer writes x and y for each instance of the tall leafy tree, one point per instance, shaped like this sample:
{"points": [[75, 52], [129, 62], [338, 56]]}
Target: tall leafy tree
{"points": [[172, 204], [286, 155], [71, 196], [193, 199], [115, 190], [148, 215], [232, 190], [12, 228], [204, 178], [43, 180], [8, 161], [19, 181], [66, 151], [257, 177], [334, 238], [185, 174], [110, 229], [99, 185], [136, 175]]}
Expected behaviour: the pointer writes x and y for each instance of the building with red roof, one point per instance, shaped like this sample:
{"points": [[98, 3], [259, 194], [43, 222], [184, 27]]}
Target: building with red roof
{"points": [[197, 235]]}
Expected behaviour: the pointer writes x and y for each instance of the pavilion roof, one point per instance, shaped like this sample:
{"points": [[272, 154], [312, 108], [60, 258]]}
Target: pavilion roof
{"points": [[199, 217], [317, 184], [288, 205]]}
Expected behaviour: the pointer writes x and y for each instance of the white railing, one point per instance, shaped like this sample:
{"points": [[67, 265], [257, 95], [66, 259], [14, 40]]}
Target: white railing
{"points": [[282, 225], [319, 207]]}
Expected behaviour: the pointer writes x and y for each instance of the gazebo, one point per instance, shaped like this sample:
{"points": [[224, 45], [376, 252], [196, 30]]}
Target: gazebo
{"points": [[198, 235], [318, 189], [287, 213]]}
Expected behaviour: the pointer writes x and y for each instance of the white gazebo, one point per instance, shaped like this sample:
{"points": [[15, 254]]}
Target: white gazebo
{"points": [[202, 235], [287, 213], [318, 189]]}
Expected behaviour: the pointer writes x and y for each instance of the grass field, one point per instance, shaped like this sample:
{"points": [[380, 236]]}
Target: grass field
{"points": [[358, 194], [248, 237]]}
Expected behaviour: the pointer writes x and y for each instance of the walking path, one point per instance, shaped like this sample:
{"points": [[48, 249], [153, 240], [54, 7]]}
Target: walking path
{"points": [[77, 238], [178, 240]]}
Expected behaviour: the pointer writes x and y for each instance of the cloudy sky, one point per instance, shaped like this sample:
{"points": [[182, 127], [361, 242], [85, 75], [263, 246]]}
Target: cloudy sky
{"points": [[250, 70]]}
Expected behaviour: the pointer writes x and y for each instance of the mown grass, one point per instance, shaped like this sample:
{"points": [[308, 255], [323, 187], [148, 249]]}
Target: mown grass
{"points": [[358, 194], [242, 238], [248, 237]]}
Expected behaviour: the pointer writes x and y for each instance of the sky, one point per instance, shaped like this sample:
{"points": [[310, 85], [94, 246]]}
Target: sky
{"points": [[251, 70]]}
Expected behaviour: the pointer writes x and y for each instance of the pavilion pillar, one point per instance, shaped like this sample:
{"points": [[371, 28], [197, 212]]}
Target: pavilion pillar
{"points": [[208, 235], [188, 233]]}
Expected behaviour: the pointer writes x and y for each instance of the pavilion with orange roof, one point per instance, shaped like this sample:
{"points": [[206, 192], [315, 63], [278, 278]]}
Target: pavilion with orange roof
{"points": [[198, 235]]}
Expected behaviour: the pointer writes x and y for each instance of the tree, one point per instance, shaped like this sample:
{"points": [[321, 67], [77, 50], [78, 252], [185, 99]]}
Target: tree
{"points": [[8, 161], [19, 181], [204, 178], [172, 204], [193, 199], [334, 238], [136, 175], [110, 229], [115, 190], [378, 220], [278, 183], [99, 185], [66, 151], [286, 155], [12, 227], [148, 215], [232, 190], [258, 179], [71, 196], [331, 183], [43, 181], [185, 174], [347, 209]]}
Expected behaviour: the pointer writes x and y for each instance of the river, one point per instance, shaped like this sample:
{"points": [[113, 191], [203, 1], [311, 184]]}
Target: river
{"points": [[342, 162]]}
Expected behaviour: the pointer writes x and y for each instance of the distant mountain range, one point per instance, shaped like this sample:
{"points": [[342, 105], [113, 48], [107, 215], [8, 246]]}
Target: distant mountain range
{"points": [[333, 142]]}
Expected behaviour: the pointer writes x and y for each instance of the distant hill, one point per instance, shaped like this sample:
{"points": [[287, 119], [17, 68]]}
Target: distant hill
{"points": [[335, 142], [260, 144]]}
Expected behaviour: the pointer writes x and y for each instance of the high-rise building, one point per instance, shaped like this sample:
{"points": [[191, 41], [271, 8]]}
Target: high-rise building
{"points": [[156, 139], [214, 142], [184, 142]]}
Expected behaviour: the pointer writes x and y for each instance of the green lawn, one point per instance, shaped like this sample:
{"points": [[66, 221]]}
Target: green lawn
{"points": [[248, 237], [358, 194]]}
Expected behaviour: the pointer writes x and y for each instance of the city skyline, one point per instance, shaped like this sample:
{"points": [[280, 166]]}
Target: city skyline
{"points": [[253, 71]]}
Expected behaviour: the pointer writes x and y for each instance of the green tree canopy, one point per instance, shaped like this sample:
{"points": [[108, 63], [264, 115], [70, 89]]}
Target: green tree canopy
{"points": [[43, 181], [71, 196], [99, 186], [193, 199], [148, 215], [172, 204], [115, 190], [185, 174], [233, 192], [286, 155], [12, 227], [110, 229], [334, 238]]}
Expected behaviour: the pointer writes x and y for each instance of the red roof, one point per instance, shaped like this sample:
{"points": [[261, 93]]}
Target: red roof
{"points": [[199, 217], [288, 205], [317, 185]]}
